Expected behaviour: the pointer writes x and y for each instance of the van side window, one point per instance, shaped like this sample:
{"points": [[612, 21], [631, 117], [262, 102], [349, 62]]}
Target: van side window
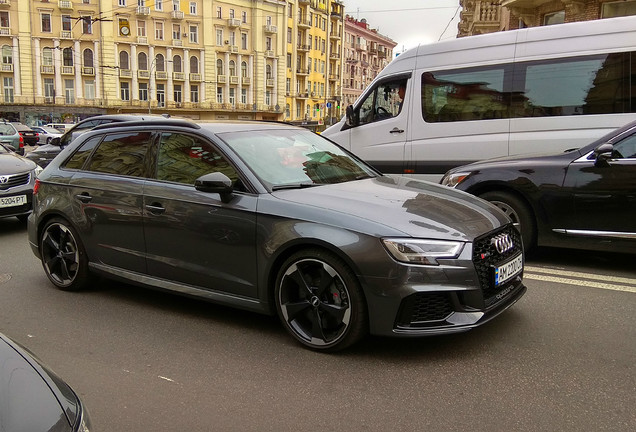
{"points": [[596, 84], [384, 102]]}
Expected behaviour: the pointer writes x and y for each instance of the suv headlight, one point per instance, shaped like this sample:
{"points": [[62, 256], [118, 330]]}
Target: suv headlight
{"points": [[418, 251], [454, 179], [38, 169]]}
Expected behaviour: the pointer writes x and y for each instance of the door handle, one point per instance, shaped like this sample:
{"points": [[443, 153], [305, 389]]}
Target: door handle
{"points": [[84, 197], [155, 208], [396, 130]]}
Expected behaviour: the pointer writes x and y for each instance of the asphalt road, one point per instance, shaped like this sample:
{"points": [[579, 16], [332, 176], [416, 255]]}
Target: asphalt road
{"points": [[562, 359]]}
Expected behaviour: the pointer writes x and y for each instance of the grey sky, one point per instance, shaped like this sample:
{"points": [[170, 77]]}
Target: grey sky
{"points": [[408, 22]]}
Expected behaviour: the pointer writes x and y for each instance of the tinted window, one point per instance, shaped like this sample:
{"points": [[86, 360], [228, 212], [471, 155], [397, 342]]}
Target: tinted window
{"points": [[598, 84], [79, 157], [384, 102], [122, 154], [625, 148], [6, 129], [184, 158]]}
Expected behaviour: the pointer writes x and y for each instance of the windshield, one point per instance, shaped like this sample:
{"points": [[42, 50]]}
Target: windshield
{"points": [[295, 158], [6, 129]]}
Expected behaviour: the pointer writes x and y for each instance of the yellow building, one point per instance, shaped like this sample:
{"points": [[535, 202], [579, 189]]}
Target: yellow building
{"points": [[64, 60], [313, 62]]}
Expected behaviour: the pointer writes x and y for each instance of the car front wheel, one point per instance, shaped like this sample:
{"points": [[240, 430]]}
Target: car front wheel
{"points": [[517, 210], [320, 301], [63, 256]]}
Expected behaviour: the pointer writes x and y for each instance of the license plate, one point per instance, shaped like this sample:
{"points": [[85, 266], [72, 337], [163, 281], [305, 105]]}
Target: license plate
{"points": [[13, 201], [507, 271]]}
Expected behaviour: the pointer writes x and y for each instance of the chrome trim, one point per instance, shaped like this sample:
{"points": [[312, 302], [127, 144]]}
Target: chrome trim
{"points": [[610, 234]]}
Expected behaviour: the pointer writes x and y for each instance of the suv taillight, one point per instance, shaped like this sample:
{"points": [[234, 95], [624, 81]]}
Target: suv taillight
{"points": [[36, 186], [21, 141]]}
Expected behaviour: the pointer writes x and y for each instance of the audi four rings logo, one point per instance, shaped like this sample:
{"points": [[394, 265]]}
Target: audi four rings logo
{"points": [[4, 179], [502, 242]]}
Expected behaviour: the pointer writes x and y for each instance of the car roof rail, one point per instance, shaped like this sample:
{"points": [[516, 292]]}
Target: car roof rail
{"points": [[148, 122]]}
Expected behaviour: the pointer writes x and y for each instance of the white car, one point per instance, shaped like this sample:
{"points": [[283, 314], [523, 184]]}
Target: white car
{"points": [[46, 134]]}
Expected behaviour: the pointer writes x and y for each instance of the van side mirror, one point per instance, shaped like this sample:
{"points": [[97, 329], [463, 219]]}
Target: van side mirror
{"points": [[603, 153], [55, 141], [215, 182], [351, 117]]}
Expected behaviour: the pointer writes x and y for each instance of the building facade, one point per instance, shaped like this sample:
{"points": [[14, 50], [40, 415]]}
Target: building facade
{"points": [[487, 16], [366, 53]]}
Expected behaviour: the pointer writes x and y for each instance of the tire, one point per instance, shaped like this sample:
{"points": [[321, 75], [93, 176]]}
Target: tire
{"points": [[63, 256], [520, 213], [48, 140], [320, 302]]}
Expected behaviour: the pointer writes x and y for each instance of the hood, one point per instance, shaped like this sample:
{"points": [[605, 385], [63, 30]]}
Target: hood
{"points": [[521, 161], [15, 164], [401, 205]]}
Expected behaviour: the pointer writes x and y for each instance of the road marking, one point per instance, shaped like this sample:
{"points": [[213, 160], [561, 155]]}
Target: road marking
{"points": [[531, 273]]}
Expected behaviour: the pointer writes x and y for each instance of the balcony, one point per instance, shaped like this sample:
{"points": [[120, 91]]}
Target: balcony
{"points": [[143, 40], [333, 77], [161, 75], [303, 47], [302, 71], [125, 73], [143, 74], [269, 53], [221, 79], [6, 67], [271, 29], [234, 79], [177, 42], [68, 70], [334, 35], [302, 95], [143, 10], [176, 15], [66, 34], [5, 31], [361, 47], [336, 15], [233, 22], [90, 71], [178, 76], [269, 82], [234, 48], [195, 77], [246, 80], [49, 69], [304, 23], [304, 2], [65, 4], [334, 55], [5, 4]]}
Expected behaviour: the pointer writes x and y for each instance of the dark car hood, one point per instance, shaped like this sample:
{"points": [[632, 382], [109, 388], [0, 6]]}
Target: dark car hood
{"points": [[47, 148], [519, 161], [403, 205], [15, 164]]}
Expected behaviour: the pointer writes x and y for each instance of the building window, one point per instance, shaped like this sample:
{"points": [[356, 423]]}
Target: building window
{"points": [[141, 28], [160, 63], [87, 25], [232, 13], [67, 56], [142, 61], [219, 67], [616, 9], [124, 62], [219, 37], [49, 88], [7, 55], [244, 41], [194, 65], [161, 95], [289, 35], [87, 56], [268, 71], [244, 69], [268, 20], [45, 20], [268, 43], [67, 25], [287, 111], [219, 12], [232, 67], [232, 96], [268, 97], [143, 91], [7, 88], [289, 60], [243, 96], [158, 30], [47, 57], [177, 93], [232, 38], [69, 91], [176, 31], [89, 89], [219, 94], [288, 85], [159, 5], [176, 5], [193, 8], [177, 64], [194, 34], [124, 89], [554, 18], [194, 93], [244, 17], [122, 3]]}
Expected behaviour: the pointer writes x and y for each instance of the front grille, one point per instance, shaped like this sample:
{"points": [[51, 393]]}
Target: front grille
{"points": [[8, 182], [424, 307], [486, 257]]}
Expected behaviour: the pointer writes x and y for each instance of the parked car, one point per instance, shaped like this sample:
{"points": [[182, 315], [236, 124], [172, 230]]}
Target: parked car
{"points": [[274, 219], [46, 134], [33, 398], [43, 155], [582, 198], [29, 135], [61, 127], [17, 179], [10, 136]]}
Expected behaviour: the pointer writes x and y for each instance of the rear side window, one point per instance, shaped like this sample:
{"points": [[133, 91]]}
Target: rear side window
{"points": [[79, 157], [122, 154], [598, 84]]}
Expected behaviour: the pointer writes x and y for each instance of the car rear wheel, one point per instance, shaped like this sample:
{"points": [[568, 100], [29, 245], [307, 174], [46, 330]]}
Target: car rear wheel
{"points": [[63, 256], [517, 210], [320, 301]]}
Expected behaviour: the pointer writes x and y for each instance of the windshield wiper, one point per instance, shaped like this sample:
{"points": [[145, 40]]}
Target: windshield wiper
{"points": [[294, 186]]}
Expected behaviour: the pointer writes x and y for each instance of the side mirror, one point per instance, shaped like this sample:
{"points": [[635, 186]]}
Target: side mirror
{"points": [[603, 153], [215, 182], [55, 141], [351, 117]]}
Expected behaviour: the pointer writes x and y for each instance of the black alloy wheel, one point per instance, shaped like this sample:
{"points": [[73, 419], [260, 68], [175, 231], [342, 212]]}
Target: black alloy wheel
{"points": [[63, 256], [320, 302]]}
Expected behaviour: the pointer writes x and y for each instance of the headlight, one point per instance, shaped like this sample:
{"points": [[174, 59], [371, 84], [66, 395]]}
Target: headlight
{"points": [[417, 251], [454, 179], [38, 169]]}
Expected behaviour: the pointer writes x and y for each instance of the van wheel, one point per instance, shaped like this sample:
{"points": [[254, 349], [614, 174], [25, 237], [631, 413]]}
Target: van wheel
{"points": [[63, 256], [320, 302], [520, 213]]}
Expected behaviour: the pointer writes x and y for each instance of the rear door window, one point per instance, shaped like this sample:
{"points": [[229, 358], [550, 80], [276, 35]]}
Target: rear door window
{"points": [[122, 154]]}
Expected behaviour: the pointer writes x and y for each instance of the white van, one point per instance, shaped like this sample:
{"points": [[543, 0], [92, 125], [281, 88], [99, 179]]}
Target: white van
{"points": [[541, 89], [62, 127]]}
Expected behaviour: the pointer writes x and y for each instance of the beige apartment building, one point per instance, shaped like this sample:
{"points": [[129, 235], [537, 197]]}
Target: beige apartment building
{"points": [[366, 53], [64, 60]]}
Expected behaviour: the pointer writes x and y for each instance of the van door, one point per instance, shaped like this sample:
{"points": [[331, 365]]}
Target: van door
{"points": [[379, 124]]}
